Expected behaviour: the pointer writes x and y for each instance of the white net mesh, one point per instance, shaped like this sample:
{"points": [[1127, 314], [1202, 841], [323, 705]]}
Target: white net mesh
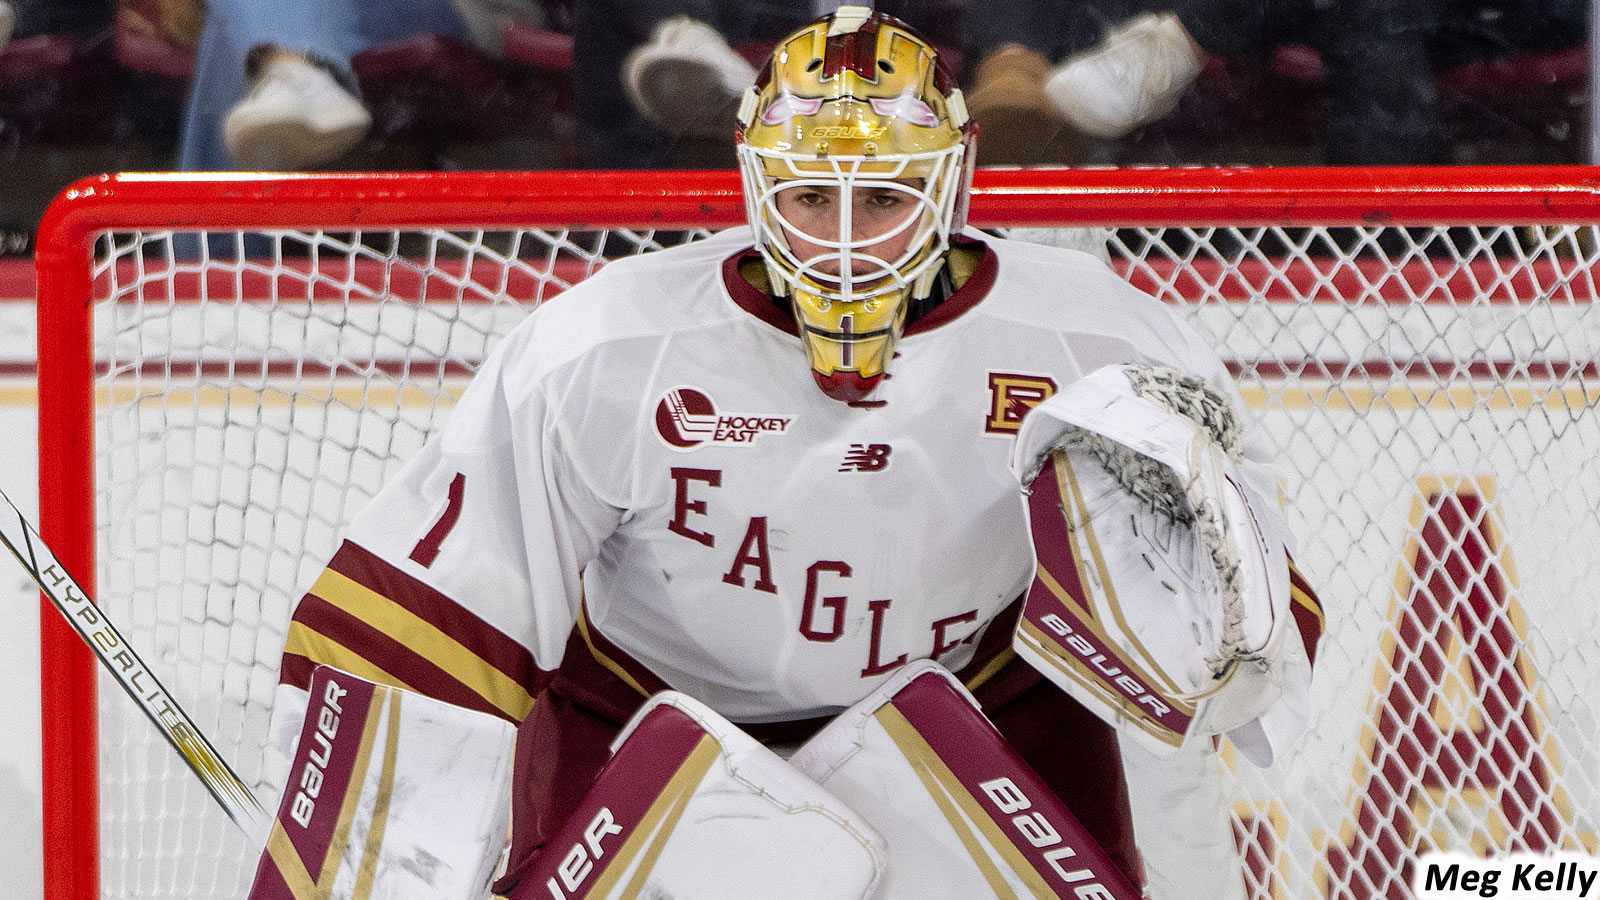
{"points": [[1429, 392]]}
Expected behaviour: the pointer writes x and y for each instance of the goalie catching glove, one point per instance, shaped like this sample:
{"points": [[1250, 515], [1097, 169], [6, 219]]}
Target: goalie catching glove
{"points": [[1161, 599]]}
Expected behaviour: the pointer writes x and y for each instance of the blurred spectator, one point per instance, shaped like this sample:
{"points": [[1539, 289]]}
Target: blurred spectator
{"points": [[686, 79], [1132, 77], [1010, 49], [30, 18], [487, 20], [272, 86], [1048, 72], [657, 82], [1382, 107], [687, 42]]}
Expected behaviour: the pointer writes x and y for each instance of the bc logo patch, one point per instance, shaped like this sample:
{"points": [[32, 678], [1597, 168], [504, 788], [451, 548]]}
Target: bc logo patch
{"points": [[1011, 396], [686, 418]]}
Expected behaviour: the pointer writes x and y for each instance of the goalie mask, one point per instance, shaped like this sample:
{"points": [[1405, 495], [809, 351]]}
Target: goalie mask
{"points": [[855, 152]]}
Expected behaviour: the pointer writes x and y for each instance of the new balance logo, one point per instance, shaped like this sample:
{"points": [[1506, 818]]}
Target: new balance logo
{"points": [[866, 458]]}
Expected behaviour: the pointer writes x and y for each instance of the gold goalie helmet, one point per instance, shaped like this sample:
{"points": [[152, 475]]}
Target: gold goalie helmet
{"points": [[854, 109]]}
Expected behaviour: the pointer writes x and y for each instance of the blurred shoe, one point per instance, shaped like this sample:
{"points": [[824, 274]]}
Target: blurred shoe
{"points": [[297, 116], [488, 20], [1131, 78], [686, 79], [8, 19], [1017, 124]]}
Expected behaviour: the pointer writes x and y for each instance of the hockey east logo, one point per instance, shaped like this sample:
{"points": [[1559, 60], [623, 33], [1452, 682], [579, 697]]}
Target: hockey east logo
{"points": [[686, 418]]}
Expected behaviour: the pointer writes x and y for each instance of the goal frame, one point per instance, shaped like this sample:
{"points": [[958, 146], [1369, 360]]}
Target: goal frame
{"points": [[1398, 196]]}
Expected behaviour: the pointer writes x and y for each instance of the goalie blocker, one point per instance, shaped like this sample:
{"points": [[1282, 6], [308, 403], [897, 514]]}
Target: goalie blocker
{"points": [[1164, 599], [391, 794]]}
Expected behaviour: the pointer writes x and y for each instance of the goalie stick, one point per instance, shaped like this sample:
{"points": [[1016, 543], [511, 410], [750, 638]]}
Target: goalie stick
{"points": [[120, 659]]}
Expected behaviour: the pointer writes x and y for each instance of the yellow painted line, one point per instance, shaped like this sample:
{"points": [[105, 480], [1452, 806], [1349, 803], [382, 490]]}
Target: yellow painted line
{"points": [[19, 396]]}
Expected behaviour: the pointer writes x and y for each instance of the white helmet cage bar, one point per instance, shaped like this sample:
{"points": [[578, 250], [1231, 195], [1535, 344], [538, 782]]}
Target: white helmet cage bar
{"points": [[940, 171]]}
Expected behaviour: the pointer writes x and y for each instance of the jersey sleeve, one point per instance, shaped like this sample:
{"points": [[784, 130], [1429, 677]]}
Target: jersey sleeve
{"points": [[461, 578]]}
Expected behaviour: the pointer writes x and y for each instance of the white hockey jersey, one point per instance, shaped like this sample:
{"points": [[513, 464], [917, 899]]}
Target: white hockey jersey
{"points": [[647, 458]]}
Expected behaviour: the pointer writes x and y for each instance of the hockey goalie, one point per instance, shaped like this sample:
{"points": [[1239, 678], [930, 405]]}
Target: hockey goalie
{"points": [[770, 476]]}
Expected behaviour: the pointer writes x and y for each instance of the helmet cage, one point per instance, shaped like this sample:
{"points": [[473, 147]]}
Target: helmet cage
{"points": [[932, 217]]}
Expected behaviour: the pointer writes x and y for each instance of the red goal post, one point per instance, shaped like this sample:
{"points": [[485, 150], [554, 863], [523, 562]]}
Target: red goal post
{"points": [[1420, 344]]}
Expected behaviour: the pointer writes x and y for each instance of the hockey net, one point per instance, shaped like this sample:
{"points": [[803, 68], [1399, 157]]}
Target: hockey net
{"points": [[1419, 345]]}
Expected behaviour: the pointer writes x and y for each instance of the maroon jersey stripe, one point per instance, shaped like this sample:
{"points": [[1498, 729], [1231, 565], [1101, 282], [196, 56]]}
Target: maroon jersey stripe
{"points": [[387, 652], [487, 642], [604, 652], [751, 300]]}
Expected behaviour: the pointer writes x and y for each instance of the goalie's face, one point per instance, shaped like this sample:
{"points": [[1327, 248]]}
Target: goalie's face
{"points": [[850, 234], [844, 237], [854, 147]]}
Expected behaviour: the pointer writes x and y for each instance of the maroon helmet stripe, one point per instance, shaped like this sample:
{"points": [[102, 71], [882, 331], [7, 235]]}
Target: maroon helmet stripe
{"points": [[857, 51]]}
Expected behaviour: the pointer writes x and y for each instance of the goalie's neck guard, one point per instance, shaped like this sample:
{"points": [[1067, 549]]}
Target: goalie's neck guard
{"points": [[855, 117]]}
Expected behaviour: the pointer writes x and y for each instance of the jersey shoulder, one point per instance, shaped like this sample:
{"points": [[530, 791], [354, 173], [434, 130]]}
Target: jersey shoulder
{"points": [[645, 298], [1077, 294], [1040, 277]]}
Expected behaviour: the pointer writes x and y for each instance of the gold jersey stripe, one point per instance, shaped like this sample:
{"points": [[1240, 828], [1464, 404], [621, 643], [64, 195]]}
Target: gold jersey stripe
{"points": [[604, 660], [319, 648], [426, 639], [991, 668]]}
